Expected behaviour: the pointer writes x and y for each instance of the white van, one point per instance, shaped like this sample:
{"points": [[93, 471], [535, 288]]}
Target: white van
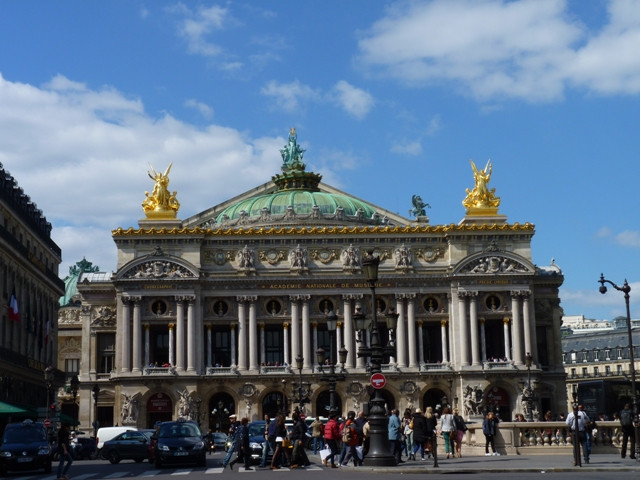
{"points": [[107, 433]]}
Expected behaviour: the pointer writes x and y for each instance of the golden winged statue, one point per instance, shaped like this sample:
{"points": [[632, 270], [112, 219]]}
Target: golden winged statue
{"points": [[481, 198], [160, 203]]}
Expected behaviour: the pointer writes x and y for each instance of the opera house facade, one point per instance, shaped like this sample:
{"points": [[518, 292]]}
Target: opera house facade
{"points": [[225, 312]]}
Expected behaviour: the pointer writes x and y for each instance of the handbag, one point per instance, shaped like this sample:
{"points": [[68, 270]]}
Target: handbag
{"points": [[286, 443]]}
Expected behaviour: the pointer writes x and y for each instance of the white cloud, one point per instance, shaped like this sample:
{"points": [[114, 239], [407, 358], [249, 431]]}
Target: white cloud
{"points": [[434, 126], [527, 49], [354, 101], [196, 26], [205, 110], [82, 155], [408, 148], [289, 96], [628, 239]]}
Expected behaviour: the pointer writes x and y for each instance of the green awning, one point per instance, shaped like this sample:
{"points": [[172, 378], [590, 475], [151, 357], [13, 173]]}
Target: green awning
{"points": [[68, 420], [9, 409]]}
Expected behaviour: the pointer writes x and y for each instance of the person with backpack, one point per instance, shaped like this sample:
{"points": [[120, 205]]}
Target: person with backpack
{"points": [[626, 422], [351, 440]]}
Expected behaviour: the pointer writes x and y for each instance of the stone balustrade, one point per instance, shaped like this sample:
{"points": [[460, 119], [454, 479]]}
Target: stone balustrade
{"points": [[539, 438]]}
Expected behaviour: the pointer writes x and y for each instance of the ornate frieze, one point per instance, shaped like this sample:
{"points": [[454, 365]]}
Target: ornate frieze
{"points": [[154, 269], [103, 316]]}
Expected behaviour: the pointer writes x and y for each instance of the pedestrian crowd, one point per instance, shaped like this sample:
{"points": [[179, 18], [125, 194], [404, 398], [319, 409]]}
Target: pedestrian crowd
{"points": [[412, 437]]}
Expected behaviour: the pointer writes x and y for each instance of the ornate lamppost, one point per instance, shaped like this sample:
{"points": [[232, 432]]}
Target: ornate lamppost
{"points": [[303, 389], [75, 384], [198, 407], [331, 377], [379, 454], [49, 378], [632, 367], [529, 396], [221, 416], [96, 393]]}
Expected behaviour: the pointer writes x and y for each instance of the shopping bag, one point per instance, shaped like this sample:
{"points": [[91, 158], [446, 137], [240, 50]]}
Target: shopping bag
{"points": [[325, 453], [359, 451]]}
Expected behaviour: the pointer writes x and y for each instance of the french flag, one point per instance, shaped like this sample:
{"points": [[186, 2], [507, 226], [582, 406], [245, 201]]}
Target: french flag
{"points": [[14, 313]]}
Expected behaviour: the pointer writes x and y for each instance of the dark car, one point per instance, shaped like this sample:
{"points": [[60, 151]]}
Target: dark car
{"points": [[219, 441], [128, 445], [25, 446], [179, 442]]}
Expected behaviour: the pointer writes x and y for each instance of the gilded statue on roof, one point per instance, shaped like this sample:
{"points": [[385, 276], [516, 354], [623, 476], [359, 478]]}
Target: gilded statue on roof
{"points": [[160, 203], [481, 197], [292, 153]]}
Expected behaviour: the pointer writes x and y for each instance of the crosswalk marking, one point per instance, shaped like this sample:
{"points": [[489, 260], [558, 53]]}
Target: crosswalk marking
{"points": [[183, 471], [149, 473], [115, 475]]}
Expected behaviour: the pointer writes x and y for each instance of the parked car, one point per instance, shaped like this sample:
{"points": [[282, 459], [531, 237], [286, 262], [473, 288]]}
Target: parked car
{"points": [[25, 446], [180, 441], [131, 444]]}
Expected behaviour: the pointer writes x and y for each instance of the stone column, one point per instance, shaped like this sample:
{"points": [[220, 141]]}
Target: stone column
{"points": [[172, 345], [147, 345], [285, 327], [401, 334], [179, 334], [411, 330], [516, 329], [314, 328], [348, 331], [307, 355], [443, 340], [253, 335], [463, 340], [339, 342], [507, 343], [526, 317], [420, 343], [137, 337], [475, 338], [295, 328], [242, 334], [126, 334], [191, 334]]}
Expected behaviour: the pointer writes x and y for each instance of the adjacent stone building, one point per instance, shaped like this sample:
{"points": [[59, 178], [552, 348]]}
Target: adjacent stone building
{"points": [[211, 314], [29, 289]]}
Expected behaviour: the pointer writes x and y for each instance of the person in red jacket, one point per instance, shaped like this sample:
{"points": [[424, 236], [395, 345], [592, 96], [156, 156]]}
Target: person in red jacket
{"points": [[331, 436], [351, 440]]}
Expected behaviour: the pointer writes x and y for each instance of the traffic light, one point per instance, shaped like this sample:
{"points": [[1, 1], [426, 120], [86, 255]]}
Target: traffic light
{"points": [[53, 408]]}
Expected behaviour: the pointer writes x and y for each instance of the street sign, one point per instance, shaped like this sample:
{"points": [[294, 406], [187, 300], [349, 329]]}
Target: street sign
{"points": [[47, 423], [378, 380]]}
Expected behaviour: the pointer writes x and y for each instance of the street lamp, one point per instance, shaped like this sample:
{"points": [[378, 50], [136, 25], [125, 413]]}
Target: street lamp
{"points": [[528, 360], [331, 377], [379, 454], [198, 407], [626, 289], [303, 390], [75, 384], [96, 392], [49, 377]]}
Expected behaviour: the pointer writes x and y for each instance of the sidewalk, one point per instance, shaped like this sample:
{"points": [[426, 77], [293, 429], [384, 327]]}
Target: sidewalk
{"points": [[505, 463]]}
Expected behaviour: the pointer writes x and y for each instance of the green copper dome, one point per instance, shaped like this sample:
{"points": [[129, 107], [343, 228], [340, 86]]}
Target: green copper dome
{"points": [[302, 202], [296, 199]]}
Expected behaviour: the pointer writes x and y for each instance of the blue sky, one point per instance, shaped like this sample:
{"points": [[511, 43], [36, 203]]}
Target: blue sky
{"points": [[388, 98]]}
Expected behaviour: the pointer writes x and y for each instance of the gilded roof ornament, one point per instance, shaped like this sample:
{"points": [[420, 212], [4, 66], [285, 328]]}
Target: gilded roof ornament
{"points": [[160, 204], [481, 200]]}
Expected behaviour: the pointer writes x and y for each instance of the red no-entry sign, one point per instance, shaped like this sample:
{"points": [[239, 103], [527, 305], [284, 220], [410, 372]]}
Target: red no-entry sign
{"points": [[378, 380], [47, 423]]}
